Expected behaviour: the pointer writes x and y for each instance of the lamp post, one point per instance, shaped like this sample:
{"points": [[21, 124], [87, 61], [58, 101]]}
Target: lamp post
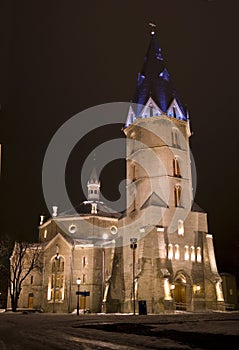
{"points": [[78, 282], [133, 246]]}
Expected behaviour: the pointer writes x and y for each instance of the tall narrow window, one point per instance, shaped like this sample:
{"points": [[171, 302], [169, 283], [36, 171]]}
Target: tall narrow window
{"points": [[175, 138], [177, 195], [151, 111], [84, 278], [186, 252], [83, 261], [199, 255], [177, 252], [180, 227], [134, 204], [176, 168], [170, 251], [192, 253], [133, 172], [57, 279]]}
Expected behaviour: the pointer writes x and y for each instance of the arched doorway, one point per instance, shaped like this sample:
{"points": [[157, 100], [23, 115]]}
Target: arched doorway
{"points": [[180, 291], [30, 300]]}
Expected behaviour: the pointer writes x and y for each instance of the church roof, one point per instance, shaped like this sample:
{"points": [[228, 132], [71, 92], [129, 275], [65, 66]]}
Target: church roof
{"points": [[85, 208], [155, 200], [154, 82], [197, 208], [93, 177]]}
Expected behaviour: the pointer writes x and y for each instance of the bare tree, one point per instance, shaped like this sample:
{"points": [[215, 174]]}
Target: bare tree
{"points": [[24, 259], [6, 246]]}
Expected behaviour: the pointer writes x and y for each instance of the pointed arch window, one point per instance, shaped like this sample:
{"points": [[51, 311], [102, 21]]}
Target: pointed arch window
{"points": [[177, 195], [199, 255], [170, 251], [175, 138], [192, 253], [176, 168], [177, 252], [186, 252], [180, 227], [56, 285]]}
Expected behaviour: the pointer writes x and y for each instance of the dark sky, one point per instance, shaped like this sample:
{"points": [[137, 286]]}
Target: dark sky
{"points": [[59, 57]]}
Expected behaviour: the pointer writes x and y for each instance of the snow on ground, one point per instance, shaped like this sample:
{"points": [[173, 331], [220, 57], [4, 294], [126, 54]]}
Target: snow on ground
{"points": [[38, 331]]}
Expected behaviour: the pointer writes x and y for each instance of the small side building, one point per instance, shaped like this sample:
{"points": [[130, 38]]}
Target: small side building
{"points": [[229, 287]]}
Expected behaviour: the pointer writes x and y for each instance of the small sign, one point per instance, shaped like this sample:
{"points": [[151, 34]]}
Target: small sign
{"points": [[84, 294]]}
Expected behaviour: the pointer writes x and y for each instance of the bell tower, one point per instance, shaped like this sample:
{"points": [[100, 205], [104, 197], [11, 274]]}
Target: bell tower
{"points": [[93, 186], [157, 130]]}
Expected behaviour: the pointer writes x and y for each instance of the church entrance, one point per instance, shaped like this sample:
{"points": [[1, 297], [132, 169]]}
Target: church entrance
{"points": [[180, 292], [180, 296], [30, 301]]}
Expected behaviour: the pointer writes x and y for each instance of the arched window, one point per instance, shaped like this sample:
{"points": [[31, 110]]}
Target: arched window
{"points": [[175, 138], [192, 253], [180, 227], [170, 251], [177, 252], [186, 252], [177, 195], [57, 279], [176, 168], [199, 255]]}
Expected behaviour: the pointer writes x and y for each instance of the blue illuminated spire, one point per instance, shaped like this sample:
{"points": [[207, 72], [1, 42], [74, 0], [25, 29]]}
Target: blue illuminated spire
{"points": [[154, 82]]}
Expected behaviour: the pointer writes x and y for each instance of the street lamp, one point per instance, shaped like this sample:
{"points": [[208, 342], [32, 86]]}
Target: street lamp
{"points": [[78, 282], [133, 246]]}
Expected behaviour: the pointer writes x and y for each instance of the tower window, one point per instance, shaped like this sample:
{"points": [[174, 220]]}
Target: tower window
{"points": [[175, 138], [83, 261], [177, 195], [84, 278], [133, 172], [176, 168], [31, 280]]}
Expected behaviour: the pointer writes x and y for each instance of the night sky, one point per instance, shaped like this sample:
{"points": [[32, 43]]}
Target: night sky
{"points": [[58, 58]]}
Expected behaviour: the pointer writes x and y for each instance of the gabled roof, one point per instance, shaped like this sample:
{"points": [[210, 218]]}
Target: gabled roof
{"points": [[85, 208], [197, 208], [155, 200], [154, 81]]}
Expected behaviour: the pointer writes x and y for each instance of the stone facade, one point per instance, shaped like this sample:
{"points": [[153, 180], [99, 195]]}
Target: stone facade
{"points": [[173, 265]]}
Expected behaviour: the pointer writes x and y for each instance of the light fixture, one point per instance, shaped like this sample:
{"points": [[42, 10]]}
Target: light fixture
{"points": [[78, 281], [72, 228], [105, 236], [113, 230]]}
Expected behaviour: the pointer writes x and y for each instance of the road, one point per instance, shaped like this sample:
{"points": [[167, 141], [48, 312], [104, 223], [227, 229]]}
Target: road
{"points": [[35, 331]]}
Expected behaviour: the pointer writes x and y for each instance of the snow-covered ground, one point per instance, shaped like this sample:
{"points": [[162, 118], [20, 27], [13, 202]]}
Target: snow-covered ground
{"points": [[118, 332]]}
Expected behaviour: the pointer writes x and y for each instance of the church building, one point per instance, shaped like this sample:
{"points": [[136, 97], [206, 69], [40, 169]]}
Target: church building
{"points": [[158, 253]]}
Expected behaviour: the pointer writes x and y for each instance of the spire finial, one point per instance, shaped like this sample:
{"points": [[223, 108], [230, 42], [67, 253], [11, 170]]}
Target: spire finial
{"points": [[152, 26]]}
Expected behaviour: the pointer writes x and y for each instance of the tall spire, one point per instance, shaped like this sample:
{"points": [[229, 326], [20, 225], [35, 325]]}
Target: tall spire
{"points": [[93, 186], [154, 82]]}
